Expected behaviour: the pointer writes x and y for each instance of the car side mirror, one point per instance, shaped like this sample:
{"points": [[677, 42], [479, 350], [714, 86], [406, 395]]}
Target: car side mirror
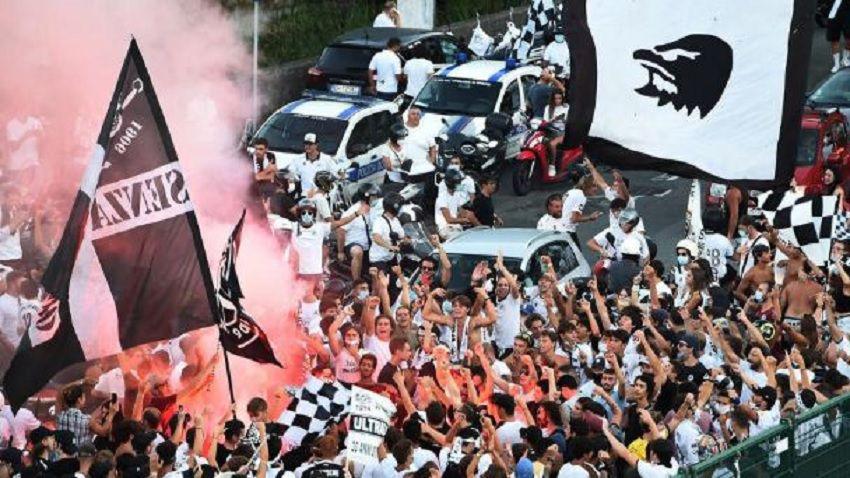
{"points": [[359, 149]]}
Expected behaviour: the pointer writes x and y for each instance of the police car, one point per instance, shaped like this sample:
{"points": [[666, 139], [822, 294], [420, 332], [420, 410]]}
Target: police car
{"points": [[349, 129], [460, 96]]}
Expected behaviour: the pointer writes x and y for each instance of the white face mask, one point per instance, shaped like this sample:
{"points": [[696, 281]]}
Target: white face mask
{"points": [[758, 297], [488, 285], [352, 343], [722, 409], [362, 295], [559, 38]]}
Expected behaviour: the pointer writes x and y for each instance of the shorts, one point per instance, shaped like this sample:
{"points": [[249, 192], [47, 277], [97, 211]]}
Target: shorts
{"points": [[839, 24], [348, 248], [843, 323]]}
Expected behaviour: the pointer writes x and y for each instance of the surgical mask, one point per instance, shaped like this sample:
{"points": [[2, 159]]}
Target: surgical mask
{"points": [[447, 308], [362, 295], [559, 38], [456, 167], [307, 219], [682, 260], [758, 297], [352, 343], [742, 232], [488, 285]]}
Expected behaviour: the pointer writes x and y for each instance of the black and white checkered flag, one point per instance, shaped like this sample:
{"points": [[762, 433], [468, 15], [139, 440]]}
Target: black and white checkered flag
{"points": [[314, 406], [541, 17], [804, 221], [842, 231]]}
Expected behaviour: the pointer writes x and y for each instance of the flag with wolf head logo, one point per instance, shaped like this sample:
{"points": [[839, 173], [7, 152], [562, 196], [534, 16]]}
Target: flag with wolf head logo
{"points": [[238, 332], [711, 89], [130, 268]]}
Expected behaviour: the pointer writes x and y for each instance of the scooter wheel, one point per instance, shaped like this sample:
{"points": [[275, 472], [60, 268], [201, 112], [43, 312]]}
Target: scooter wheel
{"points": [[523, 177]]}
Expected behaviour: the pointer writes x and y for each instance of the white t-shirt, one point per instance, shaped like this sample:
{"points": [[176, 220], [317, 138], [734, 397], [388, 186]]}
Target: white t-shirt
{"points": [[306, 169], [549, 223], [687, 442], [383, 21], [574, 201], [396, 158], [308, 242], [558, 54], [323, 207], [112, 382], [418, 143], [417, 70], [386, 65], [380, 349], [10, 244], [10, 319], [382, 227], [357, 231], [448, 200], [467, 187], [767, 419], [507, 325], [508, 433], [572, 471], [649, 470], [717, 250]]}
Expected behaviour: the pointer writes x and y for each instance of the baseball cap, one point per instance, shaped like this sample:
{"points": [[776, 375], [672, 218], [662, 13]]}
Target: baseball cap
{"points": [[599, 364], [310, 138], [690, 340], [40, 433]]}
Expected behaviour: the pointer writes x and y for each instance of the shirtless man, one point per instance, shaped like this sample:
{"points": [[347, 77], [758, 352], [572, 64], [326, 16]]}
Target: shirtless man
{"points": [[762, 271], [465, 329], [548, 346], [798, 297], [795, 256]]}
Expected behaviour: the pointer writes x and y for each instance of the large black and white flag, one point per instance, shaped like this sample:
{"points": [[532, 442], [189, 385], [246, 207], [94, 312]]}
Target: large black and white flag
{"points": [[808, 222], [711, 89], [313, 408], [541, 18], [130, 268], [238, 332]]}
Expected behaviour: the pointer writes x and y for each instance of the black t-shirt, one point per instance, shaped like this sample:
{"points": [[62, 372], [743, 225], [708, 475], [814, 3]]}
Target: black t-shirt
{"points": [[427, 443], [694, 373], [386, 375], [482, 207], [324, 469]]}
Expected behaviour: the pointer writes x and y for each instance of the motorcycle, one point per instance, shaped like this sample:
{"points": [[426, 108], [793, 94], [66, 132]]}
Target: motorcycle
{"points": [[533, 164], [481, 154]]}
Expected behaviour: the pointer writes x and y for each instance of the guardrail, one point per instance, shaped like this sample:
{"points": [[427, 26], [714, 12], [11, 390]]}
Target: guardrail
{"points": [[813, 444]]}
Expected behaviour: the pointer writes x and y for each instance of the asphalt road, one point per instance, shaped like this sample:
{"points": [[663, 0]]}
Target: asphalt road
{"points": [[660, 198]]}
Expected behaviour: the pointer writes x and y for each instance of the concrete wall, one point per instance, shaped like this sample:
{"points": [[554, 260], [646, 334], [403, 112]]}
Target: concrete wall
{"points": [[280, 85]]}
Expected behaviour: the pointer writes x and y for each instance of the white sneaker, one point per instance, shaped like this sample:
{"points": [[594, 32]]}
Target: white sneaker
{"points": [[845, 61], [552, 170], [835, 68]]}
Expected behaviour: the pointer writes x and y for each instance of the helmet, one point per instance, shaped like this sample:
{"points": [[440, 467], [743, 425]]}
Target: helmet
{"points": [[306, 212], [628, 216], [324, 180], [630, 246], [398, 131], [689, 246], [393, 203], [367, 191], [453, 177]]}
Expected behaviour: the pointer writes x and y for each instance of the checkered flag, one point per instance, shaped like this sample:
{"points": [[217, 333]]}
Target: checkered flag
{"points": [[314, 406], [808, 222], [842, 231], [541, 17]]}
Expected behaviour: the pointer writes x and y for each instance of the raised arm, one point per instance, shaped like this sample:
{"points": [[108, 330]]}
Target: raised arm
{"points": [[430, 313], [369, 314], [445, 263]]}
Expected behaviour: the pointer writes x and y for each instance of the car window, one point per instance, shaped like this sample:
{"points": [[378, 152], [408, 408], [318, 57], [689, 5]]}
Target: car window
{"points": [[807, 147], [345, 59], [527, 82], [381, 123], [360, 135], [285, 132], [512, 100], [464, 264], [449, 49], [839, 134], [561, 254], [433, 50]]}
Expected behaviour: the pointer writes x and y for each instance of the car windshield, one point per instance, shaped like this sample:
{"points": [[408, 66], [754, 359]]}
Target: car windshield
{"points": [[285, 132], [464, 264], [345, 59], [807, 147], [834, 91], [458, 96]]}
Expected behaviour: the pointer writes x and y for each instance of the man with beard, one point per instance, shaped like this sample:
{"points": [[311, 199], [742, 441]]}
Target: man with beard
{"points": [[552, 221], [508, 303], [522, 346]]}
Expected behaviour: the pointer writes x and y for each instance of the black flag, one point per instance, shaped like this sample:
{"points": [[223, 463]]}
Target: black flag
{"points": [[238, 332], [130, 268], [698, 89]]}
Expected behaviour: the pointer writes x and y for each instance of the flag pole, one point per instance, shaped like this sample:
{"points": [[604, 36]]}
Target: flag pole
{"points": [[255, 102], [229, 376]]}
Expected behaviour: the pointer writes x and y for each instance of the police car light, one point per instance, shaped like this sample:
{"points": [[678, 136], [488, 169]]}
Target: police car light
{"points": [[461, 58], [511, 63]]}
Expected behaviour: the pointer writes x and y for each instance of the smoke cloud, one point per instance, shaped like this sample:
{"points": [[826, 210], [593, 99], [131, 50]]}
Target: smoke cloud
{"points": [[60, 60]]}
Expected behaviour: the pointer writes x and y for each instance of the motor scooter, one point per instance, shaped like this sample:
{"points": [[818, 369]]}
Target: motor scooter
{"points": [[533, 164]]}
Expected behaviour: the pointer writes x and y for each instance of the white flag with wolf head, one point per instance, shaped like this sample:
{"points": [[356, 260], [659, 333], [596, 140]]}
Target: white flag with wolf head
{"points": [[704, 88]]}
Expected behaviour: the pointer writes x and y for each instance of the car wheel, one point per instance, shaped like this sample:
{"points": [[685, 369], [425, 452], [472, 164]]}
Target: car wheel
{"points": [[523, 176]]}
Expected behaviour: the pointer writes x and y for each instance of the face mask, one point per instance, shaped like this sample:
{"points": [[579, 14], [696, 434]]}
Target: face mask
{"points": [[447, 308], [758, 297], [682, 260], [742, 232], [559, 38], [456, 167], [488, 285], [362, 295], [352, 343], [307, 219]]}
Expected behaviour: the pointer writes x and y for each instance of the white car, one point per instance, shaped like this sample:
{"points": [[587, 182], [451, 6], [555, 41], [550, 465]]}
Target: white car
{"points": [[462, 95], [350, 129]]}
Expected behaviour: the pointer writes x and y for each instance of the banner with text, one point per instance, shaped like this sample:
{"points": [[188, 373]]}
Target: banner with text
{"points": [[369, 417]]}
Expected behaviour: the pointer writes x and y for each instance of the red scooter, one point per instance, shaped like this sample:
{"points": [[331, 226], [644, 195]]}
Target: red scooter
{"points": [[533, 162]]}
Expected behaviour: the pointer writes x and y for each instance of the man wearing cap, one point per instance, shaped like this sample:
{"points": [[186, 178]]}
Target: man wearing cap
{"points": [[313, 161], [691, 369], [764, 411], [557, 55]]}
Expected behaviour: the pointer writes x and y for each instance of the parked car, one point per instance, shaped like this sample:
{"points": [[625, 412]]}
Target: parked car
{"points": [[459, 98], [348, 128], [522, 249], [343, 66], [833, 92]]}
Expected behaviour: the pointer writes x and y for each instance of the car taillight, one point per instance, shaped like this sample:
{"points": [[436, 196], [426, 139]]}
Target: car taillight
{"points": [[315, 77]]}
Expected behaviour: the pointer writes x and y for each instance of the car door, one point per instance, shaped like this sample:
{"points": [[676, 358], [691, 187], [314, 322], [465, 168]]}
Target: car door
{"points": [[563, 261], [512, 105], [369, 133]]}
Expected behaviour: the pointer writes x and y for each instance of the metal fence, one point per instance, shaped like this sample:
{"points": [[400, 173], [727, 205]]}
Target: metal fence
{"points": [[814, 444]]}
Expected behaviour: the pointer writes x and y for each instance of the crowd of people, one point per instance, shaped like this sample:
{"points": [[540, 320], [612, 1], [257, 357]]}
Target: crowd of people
{"points": [[648, 366]]}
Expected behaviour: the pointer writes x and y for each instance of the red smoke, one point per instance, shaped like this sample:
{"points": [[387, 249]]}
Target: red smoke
{"points": [[61, 59]]}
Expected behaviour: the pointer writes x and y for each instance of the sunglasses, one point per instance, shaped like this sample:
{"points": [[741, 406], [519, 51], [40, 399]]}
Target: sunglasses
{"points": [[427, 268]]}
